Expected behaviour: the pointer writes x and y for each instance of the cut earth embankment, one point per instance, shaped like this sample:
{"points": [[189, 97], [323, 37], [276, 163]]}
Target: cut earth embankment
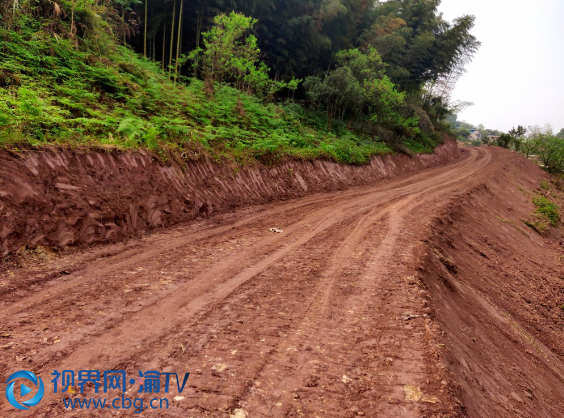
{"points": [[55, 198], [497, 290]]}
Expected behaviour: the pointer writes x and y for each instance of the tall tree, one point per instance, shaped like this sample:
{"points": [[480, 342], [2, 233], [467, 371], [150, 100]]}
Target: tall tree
{"points": [[417, 43], [145, 30], [178, 41], [164, 46], [358, 85], [171, 40], [231, 55]]}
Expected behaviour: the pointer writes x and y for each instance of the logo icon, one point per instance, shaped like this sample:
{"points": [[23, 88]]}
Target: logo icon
{"points": [[24, 390]]}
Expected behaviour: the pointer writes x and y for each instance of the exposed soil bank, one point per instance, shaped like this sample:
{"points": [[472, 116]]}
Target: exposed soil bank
{"points": [[56, 198], [325, 319], [497, 288]]}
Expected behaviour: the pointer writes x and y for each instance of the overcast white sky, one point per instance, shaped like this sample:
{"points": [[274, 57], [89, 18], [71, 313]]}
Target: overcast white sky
{"points": [[517, 76]]}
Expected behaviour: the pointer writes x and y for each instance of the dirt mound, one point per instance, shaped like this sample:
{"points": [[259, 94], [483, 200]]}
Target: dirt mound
{"points": [[497, 290], [56, 198]]}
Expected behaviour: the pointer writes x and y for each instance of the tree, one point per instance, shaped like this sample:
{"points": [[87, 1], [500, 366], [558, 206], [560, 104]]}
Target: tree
{"points": [[176, 62], [171, 40], [528, 146], [301, 38], [358, 85], [513, 139], [560, 134], [231, 57], [504, 140], [226, 53], [550, 151], [145, 29], [337, 92], [542, 142], [418, 44], [518, 132]]}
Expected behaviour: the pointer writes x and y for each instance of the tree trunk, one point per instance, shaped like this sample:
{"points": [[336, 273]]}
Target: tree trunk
{"points": [[171, 40], [145, 31], [72, 18], [198, 35], [209, 87], [164, 46], [123, 22], [178, 41]]}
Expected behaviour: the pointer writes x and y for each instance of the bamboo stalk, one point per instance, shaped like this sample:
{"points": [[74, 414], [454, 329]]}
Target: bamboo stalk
{"points": [[145, 31], [164, 46], [72, 18], [198, 35], [178, 41], [171, 40]]}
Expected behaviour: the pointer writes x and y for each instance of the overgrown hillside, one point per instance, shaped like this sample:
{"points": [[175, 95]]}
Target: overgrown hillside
{"points": [[68, 77]]}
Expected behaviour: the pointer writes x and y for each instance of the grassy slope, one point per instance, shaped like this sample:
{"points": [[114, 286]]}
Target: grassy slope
{"points": [[56, 91]]}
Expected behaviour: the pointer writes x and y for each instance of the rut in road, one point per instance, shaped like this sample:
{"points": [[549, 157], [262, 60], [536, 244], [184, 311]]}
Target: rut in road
{"points": [[321, 320]]}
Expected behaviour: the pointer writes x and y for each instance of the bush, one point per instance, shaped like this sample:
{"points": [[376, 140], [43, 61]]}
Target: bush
{"points": [[547, 209]]}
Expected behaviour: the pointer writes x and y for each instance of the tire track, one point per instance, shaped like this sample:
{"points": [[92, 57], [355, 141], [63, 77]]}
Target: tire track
{"points": [[160, 316]]}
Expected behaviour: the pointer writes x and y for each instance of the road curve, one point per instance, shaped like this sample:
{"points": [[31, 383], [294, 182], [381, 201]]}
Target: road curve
{"points": [[322, 320]]}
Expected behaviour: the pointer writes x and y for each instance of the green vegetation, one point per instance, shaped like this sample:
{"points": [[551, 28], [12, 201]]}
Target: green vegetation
{"points": [[230, 57], [55, 93], [547, 212], [359, 85], [548, 148], [374, 85], [514, 139], [539, 143], [547, 209]]}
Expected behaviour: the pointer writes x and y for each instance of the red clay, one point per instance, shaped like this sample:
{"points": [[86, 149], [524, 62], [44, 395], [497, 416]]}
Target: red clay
{"points": [[347, 312], [498, 291], [55, 198]]}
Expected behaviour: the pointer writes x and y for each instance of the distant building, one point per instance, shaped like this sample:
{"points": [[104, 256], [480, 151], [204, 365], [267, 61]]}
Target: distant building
{"points": [[475, 135]]}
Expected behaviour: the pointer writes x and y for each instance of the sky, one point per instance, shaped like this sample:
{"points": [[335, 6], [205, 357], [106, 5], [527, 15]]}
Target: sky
{"points": [[517, 76]]}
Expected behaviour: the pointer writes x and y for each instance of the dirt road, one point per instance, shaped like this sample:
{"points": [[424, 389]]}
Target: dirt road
{"points": [[324, 319]]}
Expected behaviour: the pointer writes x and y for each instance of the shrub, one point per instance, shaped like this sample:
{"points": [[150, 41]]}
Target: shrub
{"points": [[546, 208]]}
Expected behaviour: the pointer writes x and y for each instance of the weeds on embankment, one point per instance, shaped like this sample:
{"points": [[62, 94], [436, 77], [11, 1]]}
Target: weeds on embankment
{"points": [[547, 211]]}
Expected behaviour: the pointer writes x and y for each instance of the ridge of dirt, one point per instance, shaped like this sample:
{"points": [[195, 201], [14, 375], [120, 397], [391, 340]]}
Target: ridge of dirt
{"points": [[55, 198], [497, 291]]}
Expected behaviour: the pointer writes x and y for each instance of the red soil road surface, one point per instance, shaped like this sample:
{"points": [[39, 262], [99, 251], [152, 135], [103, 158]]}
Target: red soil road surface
{"points": [[325, 319]]}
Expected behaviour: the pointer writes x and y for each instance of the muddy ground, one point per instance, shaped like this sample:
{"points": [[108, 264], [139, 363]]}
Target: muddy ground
{"points": [[424, 296]]}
